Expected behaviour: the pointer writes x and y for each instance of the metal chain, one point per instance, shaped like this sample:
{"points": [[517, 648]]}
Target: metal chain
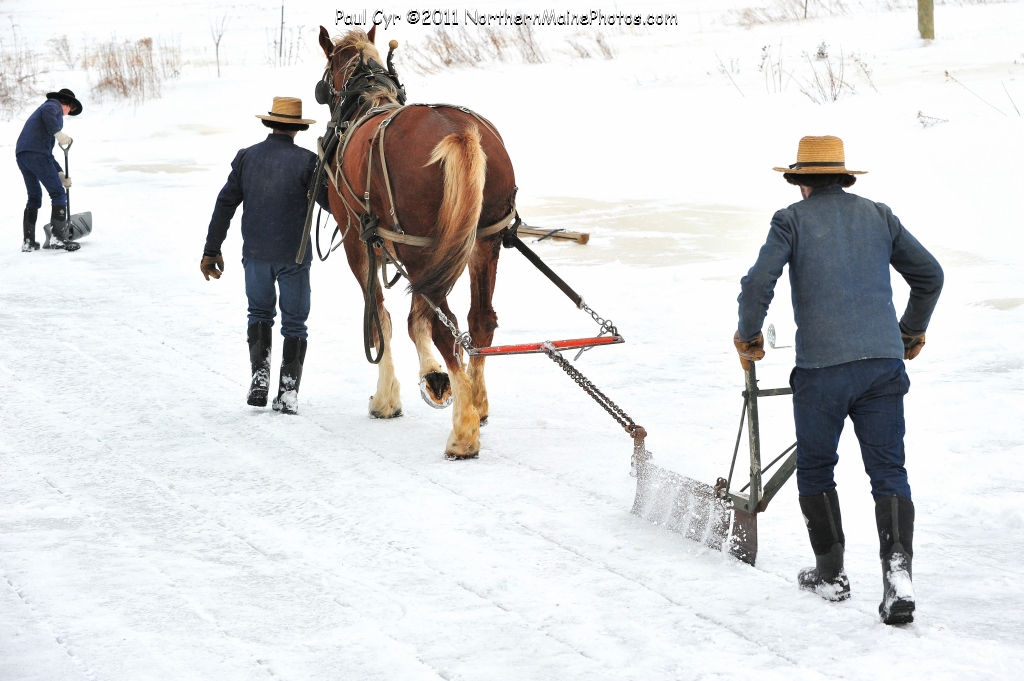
{"points": [[463, 339], [582, 381], [606, 324]]}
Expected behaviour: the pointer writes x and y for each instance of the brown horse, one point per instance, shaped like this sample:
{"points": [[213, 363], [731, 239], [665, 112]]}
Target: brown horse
{"points": [[449, 174]]}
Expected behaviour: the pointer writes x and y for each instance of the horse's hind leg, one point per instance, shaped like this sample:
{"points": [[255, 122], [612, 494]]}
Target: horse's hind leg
{"points": [[464, 441], [435, 386], [483, 269]]}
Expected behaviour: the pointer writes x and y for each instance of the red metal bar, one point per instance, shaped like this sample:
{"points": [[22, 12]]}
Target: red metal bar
{"points": [[526, 348]]}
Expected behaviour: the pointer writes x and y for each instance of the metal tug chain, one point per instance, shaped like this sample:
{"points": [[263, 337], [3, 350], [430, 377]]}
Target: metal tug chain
{"points": [[616, 412]]}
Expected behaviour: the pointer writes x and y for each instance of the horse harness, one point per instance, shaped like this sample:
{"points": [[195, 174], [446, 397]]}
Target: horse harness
{"points": [[331, 150]]}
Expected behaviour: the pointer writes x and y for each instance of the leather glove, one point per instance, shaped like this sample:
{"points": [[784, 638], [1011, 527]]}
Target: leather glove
{"points": [[64, 180], [62, 139], [212, 266], [749, 351], [912, 345]]}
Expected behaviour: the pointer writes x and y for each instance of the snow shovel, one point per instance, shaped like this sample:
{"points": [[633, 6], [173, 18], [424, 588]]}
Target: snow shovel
{"points": [[701, 512], [79, 225]]}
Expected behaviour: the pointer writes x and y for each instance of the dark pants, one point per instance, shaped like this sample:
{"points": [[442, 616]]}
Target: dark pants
{"points": [[870, 392], [41, 169], [293, 280]]}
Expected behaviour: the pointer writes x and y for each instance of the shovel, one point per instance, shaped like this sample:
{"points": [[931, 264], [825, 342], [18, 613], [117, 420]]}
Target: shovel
{"points": [[701, 512], [79, 225]]}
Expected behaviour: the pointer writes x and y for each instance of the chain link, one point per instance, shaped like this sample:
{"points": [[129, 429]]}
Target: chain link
{"points": [[606, 324], [582, 381], [463, 339]]}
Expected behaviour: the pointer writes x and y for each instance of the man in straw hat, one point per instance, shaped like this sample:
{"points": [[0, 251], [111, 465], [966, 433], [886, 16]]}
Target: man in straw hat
{"points": [[849, 356], [34, 152], [271, 180]]}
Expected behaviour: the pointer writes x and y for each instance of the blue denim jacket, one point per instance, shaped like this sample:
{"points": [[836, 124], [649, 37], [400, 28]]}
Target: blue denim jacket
{"points": [[270, 180], [839, 247]]}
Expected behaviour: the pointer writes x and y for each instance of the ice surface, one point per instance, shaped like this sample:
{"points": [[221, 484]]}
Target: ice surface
{"points": [[154, 527]]}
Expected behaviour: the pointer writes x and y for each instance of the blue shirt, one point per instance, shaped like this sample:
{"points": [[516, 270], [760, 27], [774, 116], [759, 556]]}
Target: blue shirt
{"points": [[41, 126], [271, 180], [839, 247]]}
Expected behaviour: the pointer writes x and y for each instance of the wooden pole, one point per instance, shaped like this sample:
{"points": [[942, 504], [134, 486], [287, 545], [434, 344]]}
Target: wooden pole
{"points": [[926, 19], [280, 42]]}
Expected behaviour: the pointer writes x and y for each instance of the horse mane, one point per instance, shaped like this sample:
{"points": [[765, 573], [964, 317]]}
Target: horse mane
{"points": [[379, 93]]}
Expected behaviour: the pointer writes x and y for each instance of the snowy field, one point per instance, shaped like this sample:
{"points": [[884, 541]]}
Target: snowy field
{"points": [[152, 526]]}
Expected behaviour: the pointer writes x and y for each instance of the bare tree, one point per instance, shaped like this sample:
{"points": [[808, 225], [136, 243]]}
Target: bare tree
{"points": [[217, 30]]}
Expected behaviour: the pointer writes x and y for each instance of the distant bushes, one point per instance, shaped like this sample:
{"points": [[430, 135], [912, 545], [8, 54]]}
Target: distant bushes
{"points": [[20, 67], [132, 70], [446, 49]]}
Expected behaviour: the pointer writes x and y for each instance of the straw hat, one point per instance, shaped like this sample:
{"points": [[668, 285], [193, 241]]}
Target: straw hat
{"points": [[286, 110], [820, 156], [66, 96]]}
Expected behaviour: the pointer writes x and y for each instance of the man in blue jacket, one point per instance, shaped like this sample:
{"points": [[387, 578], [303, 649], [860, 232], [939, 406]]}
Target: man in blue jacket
{"points": [[850, 349], [271, 181], [34, 152]]}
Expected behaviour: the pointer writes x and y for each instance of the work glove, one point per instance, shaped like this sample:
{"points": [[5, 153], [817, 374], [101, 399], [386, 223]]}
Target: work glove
{"points": [[64, 180], [62, 139], [912, 345], [749, 351], [212, 266]]}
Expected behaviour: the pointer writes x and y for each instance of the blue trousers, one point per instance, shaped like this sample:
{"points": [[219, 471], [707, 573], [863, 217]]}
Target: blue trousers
{"points": [[293, 280], [41, 169], [870, 392]]}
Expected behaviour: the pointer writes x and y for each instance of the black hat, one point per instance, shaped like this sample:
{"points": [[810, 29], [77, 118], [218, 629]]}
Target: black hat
{"points": [[66, 96]]}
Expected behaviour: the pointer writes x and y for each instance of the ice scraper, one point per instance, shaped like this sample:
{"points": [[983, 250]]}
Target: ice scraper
{"points": [[702, 512]]}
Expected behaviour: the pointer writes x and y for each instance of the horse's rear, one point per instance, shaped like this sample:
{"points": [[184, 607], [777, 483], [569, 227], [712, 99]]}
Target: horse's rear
{"points": [[450, 175]]}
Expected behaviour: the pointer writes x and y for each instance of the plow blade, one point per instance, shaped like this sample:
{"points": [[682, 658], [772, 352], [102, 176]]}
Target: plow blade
{"points": [[681, 504]]}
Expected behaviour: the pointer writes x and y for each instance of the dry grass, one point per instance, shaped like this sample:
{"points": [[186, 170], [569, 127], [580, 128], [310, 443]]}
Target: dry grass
{"points": [[588, 46], [20, 66], [132, 70], [61, 50], [828, 80], [789, 10], [459, 48], [288, 49], [774, 11]]}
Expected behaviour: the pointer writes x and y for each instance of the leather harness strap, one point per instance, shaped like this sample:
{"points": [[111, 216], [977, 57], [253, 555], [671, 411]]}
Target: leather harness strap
{"points": [[397, 235], [412, 240]]}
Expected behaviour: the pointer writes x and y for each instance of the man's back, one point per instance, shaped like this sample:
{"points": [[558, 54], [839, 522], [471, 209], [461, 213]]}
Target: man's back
{"points": [[37, 135], [272, 177], [839, 247]]}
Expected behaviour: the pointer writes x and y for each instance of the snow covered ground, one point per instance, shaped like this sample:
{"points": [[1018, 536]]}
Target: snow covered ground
{"points": [[154, 527]]}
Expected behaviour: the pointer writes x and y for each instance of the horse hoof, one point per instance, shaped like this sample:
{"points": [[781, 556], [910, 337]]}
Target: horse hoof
{"points": [[381, 415], [436, 389], [460, 457]]}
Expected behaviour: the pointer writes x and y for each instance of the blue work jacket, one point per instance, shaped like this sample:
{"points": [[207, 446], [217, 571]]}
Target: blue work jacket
{"points": [[270, 180], [839, 247], [41, 126]]}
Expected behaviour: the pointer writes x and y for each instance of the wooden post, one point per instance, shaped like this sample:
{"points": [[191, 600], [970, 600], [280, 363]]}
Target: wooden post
{"points": [[926, 19]]}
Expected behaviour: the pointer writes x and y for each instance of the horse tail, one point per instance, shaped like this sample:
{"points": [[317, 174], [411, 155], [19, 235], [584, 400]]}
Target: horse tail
{"points": [[465, 170]]}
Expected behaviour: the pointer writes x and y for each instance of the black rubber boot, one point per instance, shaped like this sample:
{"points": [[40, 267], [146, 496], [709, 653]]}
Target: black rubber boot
{"points": [[825, 528], [59, 230], [260, 340], [292, 356], [29, 230], [894, 516]]}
